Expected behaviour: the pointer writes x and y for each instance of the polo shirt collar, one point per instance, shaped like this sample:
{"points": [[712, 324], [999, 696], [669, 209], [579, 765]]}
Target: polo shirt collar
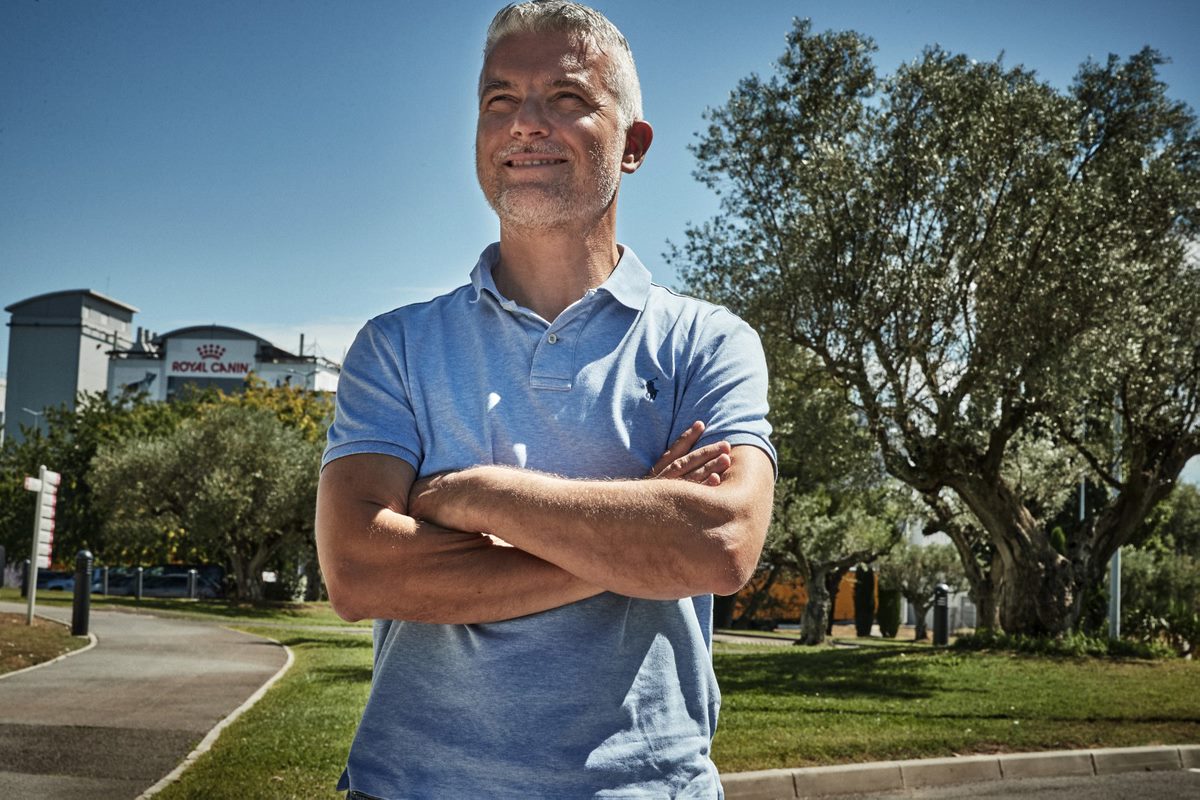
{"points": [[629, 283]]}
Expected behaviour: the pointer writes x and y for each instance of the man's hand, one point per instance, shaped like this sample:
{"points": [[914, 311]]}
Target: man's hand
{"points": [[703, 465]]}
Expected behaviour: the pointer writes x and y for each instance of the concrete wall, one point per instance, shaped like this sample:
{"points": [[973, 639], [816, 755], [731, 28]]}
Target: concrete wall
{"points": [[43, 366]]}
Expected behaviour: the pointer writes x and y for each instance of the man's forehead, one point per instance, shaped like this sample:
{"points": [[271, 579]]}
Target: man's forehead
{"points": [[556, 56]]}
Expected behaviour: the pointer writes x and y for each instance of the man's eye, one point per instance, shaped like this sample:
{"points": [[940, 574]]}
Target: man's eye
{"points": [[569, 99]]}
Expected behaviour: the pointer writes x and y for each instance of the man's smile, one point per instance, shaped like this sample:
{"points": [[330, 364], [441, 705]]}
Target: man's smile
{"points": [[534, 162]]}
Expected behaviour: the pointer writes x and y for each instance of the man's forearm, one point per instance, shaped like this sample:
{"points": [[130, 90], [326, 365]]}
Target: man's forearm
{"points": [[644, 538], [380, 563]]}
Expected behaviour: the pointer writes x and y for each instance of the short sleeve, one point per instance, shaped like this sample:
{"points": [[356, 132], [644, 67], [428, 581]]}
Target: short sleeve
{"points": [[373, 413], [727, 385]]}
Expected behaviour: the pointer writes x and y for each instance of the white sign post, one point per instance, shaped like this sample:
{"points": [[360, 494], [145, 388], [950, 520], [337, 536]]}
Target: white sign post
{"points": [[46, 485]]}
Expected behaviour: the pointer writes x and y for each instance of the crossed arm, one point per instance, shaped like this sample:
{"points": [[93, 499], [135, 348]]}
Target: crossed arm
{"points": [[492, 543]]}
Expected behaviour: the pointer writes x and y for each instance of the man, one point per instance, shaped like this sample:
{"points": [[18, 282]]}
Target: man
{"points": [[536, 482]]}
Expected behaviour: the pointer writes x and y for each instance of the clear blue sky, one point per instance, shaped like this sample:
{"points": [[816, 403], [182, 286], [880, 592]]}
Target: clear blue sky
{"points": [[293, 166]]}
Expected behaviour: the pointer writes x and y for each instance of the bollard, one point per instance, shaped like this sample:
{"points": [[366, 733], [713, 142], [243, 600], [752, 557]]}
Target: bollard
{"points": [[82, 606], [191, 584], [137, 584], [104, 580], [25, 578], [941, 615]]}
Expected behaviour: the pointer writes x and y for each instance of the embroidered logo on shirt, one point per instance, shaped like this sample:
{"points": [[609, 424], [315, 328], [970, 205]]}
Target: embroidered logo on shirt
{"points": [[651, 390]]}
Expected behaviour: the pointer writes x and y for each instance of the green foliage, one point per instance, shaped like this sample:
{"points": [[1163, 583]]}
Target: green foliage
{"points": [[308, 412], [153, 528], [1058, 540], [1160, 598], [980, 263], [1074, 645], [888, 613], [864, 600], [817, 532], [915, 571], [71, 440], [1174, 524], [232, 485], [1160, 579]]}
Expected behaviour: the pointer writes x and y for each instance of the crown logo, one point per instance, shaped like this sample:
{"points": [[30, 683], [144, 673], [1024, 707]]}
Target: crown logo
{"points": [[210, 351]]}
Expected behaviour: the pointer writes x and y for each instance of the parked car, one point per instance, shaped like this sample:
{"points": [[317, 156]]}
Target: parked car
{"points": [[61, 581], [166, 581]]}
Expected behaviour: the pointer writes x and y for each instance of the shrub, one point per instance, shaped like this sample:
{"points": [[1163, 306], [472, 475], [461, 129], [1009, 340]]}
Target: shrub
{"points": [[1160, 598], [864, 601], [1071, 645], [888, 615]]}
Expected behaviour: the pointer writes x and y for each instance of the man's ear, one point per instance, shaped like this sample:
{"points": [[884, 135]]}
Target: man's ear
{"points": [[637, 142]]}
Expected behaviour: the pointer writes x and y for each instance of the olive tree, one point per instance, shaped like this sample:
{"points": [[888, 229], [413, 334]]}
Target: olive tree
{"points": [[975, 257], [916, 570], [834, 507], [232, 485]]}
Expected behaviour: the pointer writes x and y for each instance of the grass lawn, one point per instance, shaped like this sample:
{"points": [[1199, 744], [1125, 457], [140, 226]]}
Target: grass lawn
{"points": [[24, 645], [782, 707], [788, 707], [227, 611]]}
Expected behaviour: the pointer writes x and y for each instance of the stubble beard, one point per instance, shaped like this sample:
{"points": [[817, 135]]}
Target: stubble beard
{"points": [[561, 204]]}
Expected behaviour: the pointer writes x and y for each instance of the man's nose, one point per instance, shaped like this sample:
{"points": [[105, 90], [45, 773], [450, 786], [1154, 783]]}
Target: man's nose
{"points": [[530, 120]]}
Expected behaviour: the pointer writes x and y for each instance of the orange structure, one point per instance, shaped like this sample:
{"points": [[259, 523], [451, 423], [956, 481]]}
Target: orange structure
{"points": [[787, 597]]}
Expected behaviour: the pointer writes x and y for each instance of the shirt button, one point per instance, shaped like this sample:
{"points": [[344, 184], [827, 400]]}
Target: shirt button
{"points": [[552, 338]]}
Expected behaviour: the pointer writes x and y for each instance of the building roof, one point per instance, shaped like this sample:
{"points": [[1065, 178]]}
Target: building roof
{"points": [[265, 348], [85, 292]]}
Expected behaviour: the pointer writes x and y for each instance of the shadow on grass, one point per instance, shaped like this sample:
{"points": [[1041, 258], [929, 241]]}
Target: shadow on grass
{"points": [[264, 610], [879, 673], [335, 640], [340, 674]]}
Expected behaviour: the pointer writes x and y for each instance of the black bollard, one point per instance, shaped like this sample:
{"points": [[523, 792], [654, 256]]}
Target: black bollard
{"points": [[104, 580], [83, 593], [941, 615], [191, 584], [137, 584], [25, 577]]}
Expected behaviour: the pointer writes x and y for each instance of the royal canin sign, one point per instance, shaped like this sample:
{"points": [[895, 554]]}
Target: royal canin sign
{"points": [[218, 359]]}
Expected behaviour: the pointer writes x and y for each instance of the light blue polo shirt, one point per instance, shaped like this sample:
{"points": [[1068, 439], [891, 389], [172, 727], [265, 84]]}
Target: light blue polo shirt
{"points": [[610, 697]]}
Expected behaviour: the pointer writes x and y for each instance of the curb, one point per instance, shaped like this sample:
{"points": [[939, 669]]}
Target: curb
{"points": [[211, 737], [884, 776]]}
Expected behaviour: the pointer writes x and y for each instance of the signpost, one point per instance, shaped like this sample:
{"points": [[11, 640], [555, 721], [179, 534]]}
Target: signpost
{"points": [[46, 485]]}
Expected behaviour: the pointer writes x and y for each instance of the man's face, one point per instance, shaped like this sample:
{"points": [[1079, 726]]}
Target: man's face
{"points": [[548, 144]]}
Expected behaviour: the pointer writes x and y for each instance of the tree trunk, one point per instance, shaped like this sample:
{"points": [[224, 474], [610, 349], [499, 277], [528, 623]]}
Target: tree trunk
{"points": [[1036, 597], [723, 610], [757, 596], [919, 611], [983, 595], [241, 577], [816, 610], [1037, 591]]}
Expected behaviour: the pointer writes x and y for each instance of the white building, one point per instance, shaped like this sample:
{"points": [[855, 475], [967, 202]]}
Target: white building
{"points": [[67, 342], [203, 356]]}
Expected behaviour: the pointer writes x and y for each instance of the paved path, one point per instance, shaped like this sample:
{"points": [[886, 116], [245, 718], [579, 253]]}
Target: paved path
{"points": [[112, 721]]}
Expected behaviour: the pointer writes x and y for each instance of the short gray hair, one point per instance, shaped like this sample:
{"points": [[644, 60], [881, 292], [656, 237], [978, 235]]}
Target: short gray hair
{"points": [[562, 16]]}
